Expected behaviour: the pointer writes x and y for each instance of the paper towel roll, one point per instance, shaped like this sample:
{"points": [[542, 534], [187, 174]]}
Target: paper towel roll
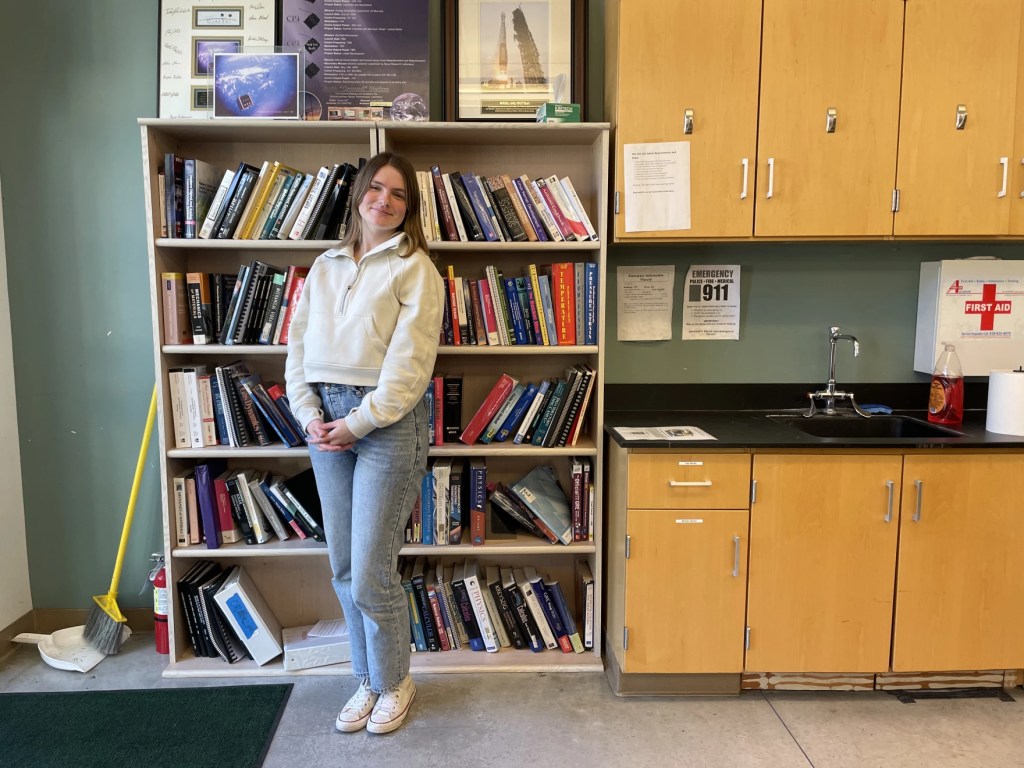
{"points": [[1005, 403]]}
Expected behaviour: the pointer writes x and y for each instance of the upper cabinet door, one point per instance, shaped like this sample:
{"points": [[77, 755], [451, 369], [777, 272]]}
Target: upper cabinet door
{"points": [[668, 60], [957, 117], [829, 117]]}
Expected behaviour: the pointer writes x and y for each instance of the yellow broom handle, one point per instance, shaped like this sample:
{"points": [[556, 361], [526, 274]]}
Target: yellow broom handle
{"points": [[123, 546]]}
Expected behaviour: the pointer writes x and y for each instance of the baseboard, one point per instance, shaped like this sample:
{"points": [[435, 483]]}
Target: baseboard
{"points": [[694, 684]]}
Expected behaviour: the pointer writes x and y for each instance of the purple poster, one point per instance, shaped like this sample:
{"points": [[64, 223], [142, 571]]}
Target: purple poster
{"points": [[364, 59]]}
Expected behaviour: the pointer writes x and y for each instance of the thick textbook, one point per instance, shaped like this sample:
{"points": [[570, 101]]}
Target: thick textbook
{"points": [[540, 491]]}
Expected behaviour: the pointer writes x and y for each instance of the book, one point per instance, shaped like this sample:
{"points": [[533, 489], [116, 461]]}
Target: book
{"points": [[547, 305], [585, 601], [547, 605], [591, 286], [503, 412], [477, 482], [487, 312], [531, 411], [563, 296], [529, 207], [212, 228], [282, 509], [173, 297], [518, 207], [257, 481], [457, 630], [521, 611], [229, 530], [497, 291], [441, 470], [238, 511], [574, 200], [275, 301], [243, 184], [505, 209], [564, 614], [446, 214], [180, 507], [515, 311], [283, 228], [517, 413], [506, 623], [301, 490], [540, 207], [506, 504], [293, 303], [570, 226], [292, 273], [573, 378], [419, 585], [174, 194], [464, 605], [219, 198], [472, 579], [552, 213], [255, 199], [290, 184], [200, 307], [284, 408], [458, 496], [534, 277], [437, 612], [554, 186], [464, 208], [488, 408], [581, 414], [533, 603], [550, 410], [540, 491], [480, 207], [316, 191], [572, 414], [253, 513], [201, 182], [418, 641]]}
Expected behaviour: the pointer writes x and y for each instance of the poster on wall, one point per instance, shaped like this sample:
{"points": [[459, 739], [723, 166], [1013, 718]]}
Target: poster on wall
{"points": [[364, 59], [192, 33]]}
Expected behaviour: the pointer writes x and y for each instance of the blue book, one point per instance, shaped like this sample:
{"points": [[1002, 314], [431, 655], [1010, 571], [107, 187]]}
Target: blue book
{"points": [[206, 496], [544, 282], [531, 212], [550, 411], [515, 310], [428, 401], [547, 605], [479, 202], [590, 288], [539, 490], [532, 334], [564, 614], [218, 412], [418, 639], [515, 416], [427, 510], [507, 405], [465, 608]]}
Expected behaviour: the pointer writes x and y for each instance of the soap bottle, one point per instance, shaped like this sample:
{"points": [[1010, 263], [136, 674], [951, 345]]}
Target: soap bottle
{"points": [[946, 398]]}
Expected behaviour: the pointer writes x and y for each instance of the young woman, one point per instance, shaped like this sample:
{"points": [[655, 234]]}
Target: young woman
{"points": [[361, 349]]}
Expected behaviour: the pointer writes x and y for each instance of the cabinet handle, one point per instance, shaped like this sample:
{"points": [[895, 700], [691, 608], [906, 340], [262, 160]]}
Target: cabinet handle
{"points": [[961, 116], [1005, 162], [687, 121], [746, 172], [919, 484], [689, 483], [735, 556], [771, 178], [888, 514], [830, 120]]}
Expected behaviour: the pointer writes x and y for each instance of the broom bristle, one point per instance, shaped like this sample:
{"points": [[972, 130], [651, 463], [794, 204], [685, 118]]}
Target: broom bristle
{"points": [[102, 632]]}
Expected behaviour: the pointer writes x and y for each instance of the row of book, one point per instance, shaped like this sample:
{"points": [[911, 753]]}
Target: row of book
{"points": [[229, 406], [550, 305], [464, 206], [455, 492], [215, 505], [487, 608], [271, 202], [255, 306], [549, 413]]}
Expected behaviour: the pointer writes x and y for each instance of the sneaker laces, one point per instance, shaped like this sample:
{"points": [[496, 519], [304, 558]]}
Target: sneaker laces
{"points": [[390, 702], [362, 699]]}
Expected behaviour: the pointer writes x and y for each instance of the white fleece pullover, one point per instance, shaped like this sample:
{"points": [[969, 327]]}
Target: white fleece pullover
{"points": [[375, 323]]}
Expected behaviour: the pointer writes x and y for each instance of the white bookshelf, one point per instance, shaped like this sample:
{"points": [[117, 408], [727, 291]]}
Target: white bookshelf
{"points": [[294, 575]]}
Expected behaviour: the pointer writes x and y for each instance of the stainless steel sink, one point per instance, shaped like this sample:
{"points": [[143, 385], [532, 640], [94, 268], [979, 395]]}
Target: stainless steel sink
{"points": [[858, 426]]}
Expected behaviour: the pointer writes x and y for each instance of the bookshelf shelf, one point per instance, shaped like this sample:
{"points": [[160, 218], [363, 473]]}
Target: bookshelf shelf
{"points": [[293, 576]]}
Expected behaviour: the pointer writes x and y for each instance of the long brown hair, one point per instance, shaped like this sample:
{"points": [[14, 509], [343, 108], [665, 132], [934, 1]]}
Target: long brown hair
{"points": [[415, 240]]}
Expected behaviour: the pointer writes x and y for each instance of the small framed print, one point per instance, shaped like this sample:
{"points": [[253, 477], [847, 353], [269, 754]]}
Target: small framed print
{"points": [[218, 18], [505, 58], [203, 49], [200, 98], [257, 85]]}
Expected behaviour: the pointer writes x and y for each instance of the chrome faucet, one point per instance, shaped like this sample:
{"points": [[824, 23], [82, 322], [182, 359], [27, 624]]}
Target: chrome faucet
{"points": [[830, 394]]}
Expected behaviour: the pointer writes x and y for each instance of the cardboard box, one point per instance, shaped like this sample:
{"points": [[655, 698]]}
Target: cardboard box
{"points": [[976, 304], [252, 620], [302, 651], [550, 112]]}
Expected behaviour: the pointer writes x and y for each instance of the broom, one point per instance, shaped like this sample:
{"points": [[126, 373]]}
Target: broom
{"points": [[104, 628]]}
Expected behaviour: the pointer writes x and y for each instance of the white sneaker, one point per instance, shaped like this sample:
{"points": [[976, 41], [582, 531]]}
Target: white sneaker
{"points": [[355, 714], [391, 708]]}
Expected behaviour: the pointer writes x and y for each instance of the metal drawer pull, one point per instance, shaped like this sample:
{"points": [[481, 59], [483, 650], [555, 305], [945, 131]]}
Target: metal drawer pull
{"points": [[690, 463], [830, 120], [1005, 162], [689, 483], [919, 484], [746, 173], [771, 178], [736, 556], [888, 514], [687, 121], [961, 116]]}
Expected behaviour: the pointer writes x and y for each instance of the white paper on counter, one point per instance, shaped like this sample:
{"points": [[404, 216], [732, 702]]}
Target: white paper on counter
{"points": [[663, 433], [657, 180], [644, 303], [711, 302]]}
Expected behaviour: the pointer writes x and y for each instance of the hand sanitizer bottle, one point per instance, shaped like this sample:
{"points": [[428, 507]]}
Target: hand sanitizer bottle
{"points": [[946, 398]]}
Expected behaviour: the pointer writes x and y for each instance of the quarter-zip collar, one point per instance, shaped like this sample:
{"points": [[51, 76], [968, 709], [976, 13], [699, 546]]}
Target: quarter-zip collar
{"points": [[333, 253]]}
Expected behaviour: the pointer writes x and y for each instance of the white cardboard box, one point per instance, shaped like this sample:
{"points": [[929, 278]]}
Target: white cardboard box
{"points": [[302, 651], [978, 305], [247, 612]]}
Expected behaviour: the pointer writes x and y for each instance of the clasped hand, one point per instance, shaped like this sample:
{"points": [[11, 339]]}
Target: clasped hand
{"points": [[331, 436]]}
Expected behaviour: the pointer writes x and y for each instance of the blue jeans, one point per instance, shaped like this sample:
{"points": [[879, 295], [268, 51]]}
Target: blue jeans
{"points": [[367, 494]]}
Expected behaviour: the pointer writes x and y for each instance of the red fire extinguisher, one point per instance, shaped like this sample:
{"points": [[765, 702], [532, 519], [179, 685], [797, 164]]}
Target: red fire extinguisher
{"points": [[159, 578]]}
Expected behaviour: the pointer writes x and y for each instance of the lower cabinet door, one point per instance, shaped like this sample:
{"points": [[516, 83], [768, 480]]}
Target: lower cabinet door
{"points": [[685, 588]]}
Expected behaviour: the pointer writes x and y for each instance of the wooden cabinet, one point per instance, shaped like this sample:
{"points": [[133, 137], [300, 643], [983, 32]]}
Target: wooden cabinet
{"points": [[678, 583], [293, 576], [823, 533], [666, 59], [956, 171], [959, 592], [828, 119]]}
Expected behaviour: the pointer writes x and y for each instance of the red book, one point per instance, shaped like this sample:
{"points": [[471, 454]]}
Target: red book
{"points": [[293, 302], [229, 532], [563, 296], [487, 309], [438, 410], [453, 304], [487, 409], [564, 227], [444, 206]]}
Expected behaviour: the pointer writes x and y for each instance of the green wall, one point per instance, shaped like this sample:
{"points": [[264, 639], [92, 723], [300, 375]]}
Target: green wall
{"points": [[77, 269]]}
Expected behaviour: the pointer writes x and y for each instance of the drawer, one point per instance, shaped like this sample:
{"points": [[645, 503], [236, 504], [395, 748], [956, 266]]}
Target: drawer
{"points": [[688, 481]]}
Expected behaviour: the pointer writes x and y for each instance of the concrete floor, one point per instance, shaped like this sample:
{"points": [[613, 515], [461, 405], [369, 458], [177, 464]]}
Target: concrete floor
{"points": [[535, 720]]}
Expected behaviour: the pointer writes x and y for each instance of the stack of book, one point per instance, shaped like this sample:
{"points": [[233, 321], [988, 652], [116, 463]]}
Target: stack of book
{"points": [[460, 605], [269, 202], [462, 206], [548, 305]]}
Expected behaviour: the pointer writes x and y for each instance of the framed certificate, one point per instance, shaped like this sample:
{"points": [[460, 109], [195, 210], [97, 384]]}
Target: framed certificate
{"points": [[504, 58]]}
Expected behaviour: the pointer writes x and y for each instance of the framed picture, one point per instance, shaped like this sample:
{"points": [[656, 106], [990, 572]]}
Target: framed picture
{"points": [[231, 17], [503, 58], [257, 85], [203, 49]]}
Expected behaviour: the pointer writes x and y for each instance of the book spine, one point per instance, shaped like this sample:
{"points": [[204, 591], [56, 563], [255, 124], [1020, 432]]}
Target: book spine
{"points": [[238, 202], [288, 218], [516, 415], [534, 277], [487, 311], [477, 502], [293, 304], [464, 207], [539, 615], [548, 606], [274, 303], [306, 211], [497, 291], [465, 608], [189, 228], [574, 199], [476, 197], [518, 207], [591, 279], [447, 216], [531, 210], [515, 310], [551, 204], [563, 294], [177, 327], [419, 640], [487, 409], [502, 413], [554, 590], [531, 412], [568, 210], [483, 619]]}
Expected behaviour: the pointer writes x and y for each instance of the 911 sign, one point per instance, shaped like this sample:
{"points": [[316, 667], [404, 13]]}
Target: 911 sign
{"points": [[712, 308]]}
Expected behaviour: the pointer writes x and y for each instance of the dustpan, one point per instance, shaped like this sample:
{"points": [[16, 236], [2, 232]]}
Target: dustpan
{"points": [[67, 648]]}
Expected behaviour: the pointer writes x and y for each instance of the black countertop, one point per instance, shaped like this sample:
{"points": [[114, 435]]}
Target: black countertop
{"points": [[738, 417]]}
